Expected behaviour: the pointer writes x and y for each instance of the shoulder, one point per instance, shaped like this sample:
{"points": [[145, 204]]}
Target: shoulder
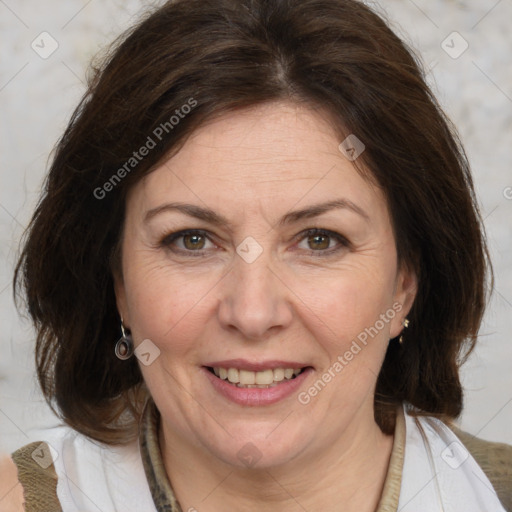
{"points": [[36, 478], [11, 491], [495, 459]]}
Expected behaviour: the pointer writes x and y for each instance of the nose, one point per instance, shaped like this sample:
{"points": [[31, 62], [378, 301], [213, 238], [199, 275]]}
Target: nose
{"points": [[255, 300]]}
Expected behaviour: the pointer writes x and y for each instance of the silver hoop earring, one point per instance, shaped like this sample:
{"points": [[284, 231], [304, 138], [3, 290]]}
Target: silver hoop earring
{"points": [[124, 347]]}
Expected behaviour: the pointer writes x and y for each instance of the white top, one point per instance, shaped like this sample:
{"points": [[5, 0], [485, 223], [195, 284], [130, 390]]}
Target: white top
{"points": [[96, 477], [439, 474]]}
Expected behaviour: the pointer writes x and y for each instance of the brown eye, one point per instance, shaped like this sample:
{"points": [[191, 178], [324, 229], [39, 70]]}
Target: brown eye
{"points": [[193, 241], [320, 242]]}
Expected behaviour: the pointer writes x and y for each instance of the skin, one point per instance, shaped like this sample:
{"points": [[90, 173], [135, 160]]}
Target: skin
{"points": [[291, 303], [11, 490]]}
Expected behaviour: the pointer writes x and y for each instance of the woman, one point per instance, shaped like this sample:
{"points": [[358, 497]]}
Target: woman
{"points": [[255, 270]]}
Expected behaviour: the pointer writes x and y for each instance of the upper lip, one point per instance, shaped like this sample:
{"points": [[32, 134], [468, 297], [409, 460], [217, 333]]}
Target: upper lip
{"points": [[255, 366]]}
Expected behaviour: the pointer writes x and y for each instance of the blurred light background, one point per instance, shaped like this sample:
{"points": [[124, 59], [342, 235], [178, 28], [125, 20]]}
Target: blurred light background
{"points": [[470, 72]]}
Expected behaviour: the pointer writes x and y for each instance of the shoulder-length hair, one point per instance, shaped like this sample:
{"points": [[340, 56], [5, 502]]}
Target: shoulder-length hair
{"points": [[191, 61]]}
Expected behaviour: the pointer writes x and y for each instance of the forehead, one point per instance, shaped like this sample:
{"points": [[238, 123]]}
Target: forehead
{"points": [[279, 155]]}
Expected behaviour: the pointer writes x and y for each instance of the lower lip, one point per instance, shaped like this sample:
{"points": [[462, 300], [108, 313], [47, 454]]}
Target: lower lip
{"points": [[257, 396]]}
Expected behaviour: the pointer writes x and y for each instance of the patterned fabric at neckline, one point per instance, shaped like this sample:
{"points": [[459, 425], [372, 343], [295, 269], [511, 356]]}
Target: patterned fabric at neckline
{"points": [[163, 494]]}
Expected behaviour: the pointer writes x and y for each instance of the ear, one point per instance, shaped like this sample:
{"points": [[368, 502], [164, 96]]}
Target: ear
{"points": [[406, 288], [120, 292]]}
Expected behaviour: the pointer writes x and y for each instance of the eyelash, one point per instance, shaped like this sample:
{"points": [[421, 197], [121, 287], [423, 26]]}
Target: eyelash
{"points": [[168, 240]]}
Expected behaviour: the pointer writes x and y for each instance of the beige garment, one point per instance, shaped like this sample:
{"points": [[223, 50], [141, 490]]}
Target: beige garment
{"points": [[40, 485]]}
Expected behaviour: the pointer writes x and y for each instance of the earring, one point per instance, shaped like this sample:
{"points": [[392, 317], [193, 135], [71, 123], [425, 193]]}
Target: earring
{"points": [[124, 346], [405, 323]]}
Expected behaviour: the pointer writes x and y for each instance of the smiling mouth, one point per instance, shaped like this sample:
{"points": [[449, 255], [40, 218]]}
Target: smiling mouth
{"points": [[262, 379]]}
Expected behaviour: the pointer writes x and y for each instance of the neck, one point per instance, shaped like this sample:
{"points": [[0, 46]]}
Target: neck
{"points": [[348, 473]]}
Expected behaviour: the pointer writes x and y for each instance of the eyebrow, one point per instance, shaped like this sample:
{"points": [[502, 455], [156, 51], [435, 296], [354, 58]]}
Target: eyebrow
{"points": [[212, 217]]}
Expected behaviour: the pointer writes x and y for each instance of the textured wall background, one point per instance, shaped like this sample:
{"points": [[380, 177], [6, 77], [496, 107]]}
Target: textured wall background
{"points": [[38, 90]]}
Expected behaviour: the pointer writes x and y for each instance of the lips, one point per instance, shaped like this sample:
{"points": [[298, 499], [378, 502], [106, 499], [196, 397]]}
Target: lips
{"points": [[248, 378], [256, 383], [245, 364]]}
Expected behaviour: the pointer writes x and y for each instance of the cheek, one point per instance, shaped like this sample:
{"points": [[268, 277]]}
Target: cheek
{"points": [[345, 304], [167, 304]]}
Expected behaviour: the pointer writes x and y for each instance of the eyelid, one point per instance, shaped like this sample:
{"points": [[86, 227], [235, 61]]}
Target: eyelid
{"points": [[167, 240], [342, 241]]}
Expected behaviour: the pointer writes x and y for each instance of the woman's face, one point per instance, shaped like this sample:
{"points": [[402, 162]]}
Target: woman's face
{"points": [[250, 293]]}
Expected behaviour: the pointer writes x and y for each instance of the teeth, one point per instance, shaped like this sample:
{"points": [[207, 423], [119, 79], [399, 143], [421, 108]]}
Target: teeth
{"points": [[233, 375], [278, 375], [246, 377], [265, 377], [262, 379]]}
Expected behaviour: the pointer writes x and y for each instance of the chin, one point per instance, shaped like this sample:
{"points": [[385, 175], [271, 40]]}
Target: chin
{"points": [[262, 448]]}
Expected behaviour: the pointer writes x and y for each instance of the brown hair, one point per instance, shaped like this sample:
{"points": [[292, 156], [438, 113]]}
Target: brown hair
{"points": [[217, 56]]}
